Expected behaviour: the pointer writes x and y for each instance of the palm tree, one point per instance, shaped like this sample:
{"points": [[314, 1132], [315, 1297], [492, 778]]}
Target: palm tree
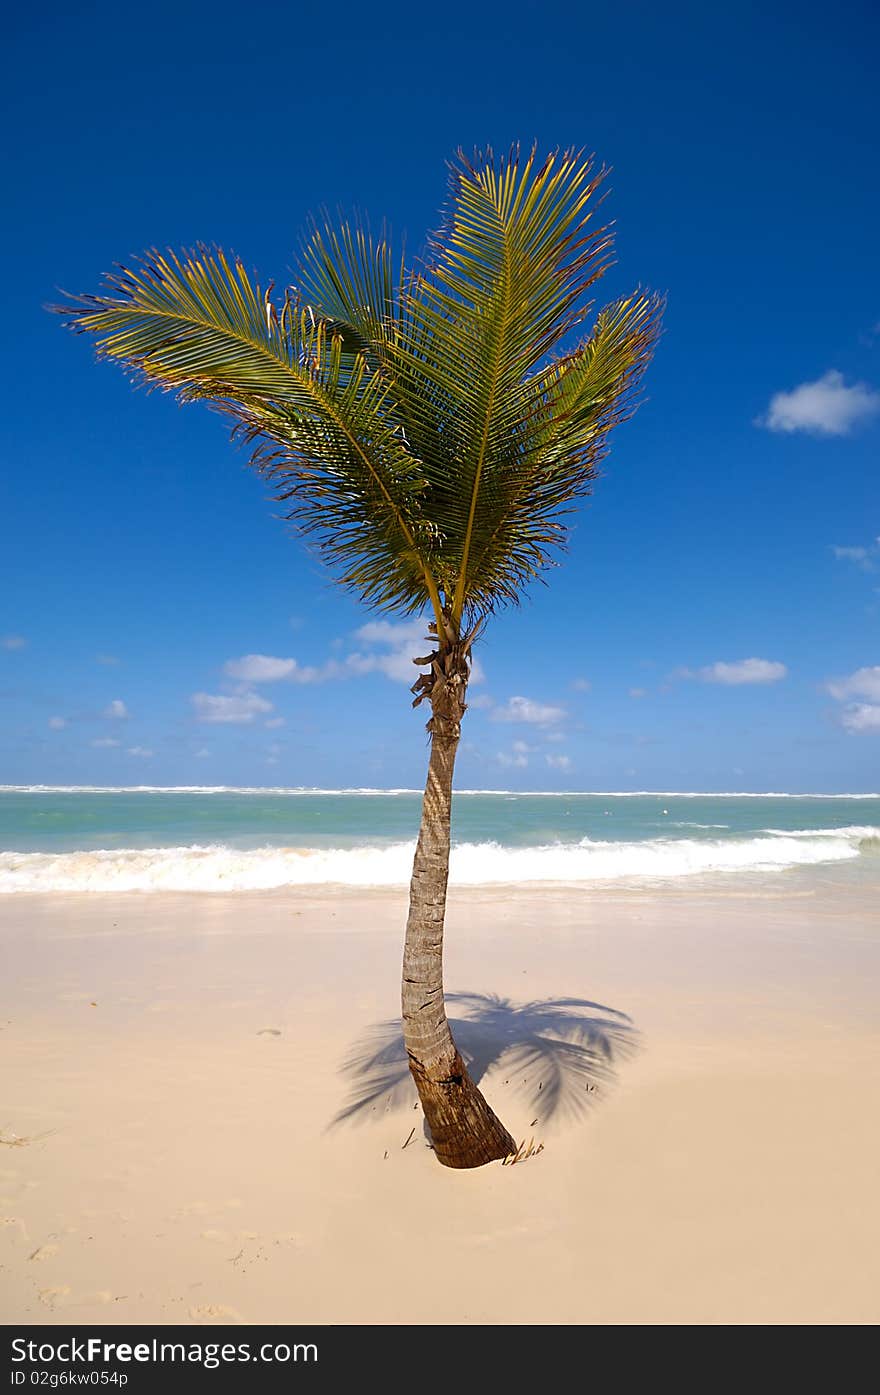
{"points": [[424, 428]]}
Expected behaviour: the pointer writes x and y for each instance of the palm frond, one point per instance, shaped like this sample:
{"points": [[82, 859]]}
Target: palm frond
{"points": [[566, 414], [350, 274], [507, 280], [323, 426], [424, 427]]}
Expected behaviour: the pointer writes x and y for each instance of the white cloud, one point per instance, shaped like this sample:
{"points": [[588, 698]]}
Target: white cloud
{"points": [[274, 722], [850, 554], [638, 692], [581, 685], [241, 709], [482, 701], [864, 558], [384, 647], [389, 647], [57, 723], [826, 407], [523, 709], [400, 643], [559, 762], [478, 673], [518, 756], [861, 716], [738, 673], [203, 754], [864, 683], [142, 751], [116, 710], [13, 642], [393, 634], [105, 741], [264, 668], [397, 645], [108, 659]]}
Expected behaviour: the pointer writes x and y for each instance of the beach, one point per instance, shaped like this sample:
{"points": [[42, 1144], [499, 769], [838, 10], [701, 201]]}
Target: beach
{"points": [[175, 1066], [462, 497]]}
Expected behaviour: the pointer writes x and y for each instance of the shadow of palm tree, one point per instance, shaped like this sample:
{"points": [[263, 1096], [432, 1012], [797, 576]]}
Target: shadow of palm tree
{"points": [[559, 1054]]}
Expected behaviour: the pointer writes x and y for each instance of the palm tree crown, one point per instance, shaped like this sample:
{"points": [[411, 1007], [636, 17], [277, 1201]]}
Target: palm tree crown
{"points": [[423, 425]]}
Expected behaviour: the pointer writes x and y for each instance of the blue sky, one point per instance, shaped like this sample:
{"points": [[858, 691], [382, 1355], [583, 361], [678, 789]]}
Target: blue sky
{"points": [[715, 623]]}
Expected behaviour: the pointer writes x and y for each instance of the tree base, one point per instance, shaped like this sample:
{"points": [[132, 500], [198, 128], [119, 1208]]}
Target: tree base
{"points": [[464, 1130]]}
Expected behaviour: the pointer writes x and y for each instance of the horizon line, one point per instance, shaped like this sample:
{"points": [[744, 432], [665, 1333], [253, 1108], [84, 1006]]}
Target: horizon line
{"points": [[395, 790]]}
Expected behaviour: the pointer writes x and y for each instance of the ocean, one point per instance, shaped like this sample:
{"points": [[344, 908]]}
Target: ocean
{"points": [[221, 839]]}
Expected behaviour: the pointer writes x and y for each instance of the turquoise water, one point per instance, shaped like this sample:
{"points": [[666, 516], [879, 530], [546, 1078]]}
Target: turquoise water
{"points": [[241, 840], [72, 822]]}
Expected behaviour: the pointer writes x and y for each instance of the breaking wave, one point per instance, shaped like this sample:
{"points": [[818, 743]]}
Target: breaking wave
{"points": [[221, 868]]}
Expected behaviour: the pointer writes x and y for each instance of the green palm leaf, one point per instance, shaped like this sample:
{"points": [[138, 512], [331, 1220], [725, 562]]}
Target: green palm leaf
{"points": [[507, 281], [566, 415], [422, 426], [324, 428]]}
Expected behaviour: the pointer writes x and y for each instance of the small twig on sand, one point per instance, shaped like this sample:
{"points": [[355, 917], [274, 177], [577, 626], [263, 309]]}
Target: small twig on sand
{"points": [[522, 1153], [409, 1140]]}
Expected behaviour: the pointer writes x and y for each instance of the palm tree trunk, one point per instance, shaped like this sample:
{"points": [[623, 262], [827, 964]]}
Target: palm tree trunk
{"points": [[464, 1130]]}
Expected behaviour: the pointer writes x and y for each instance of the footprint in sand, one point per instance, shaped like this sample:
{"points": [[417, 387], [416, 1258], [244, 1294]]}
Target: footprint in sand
{"points": [[228, 1236], [62, 1296], [205, 1314], [206, 1208], [54, 1297], [193, 1208]]}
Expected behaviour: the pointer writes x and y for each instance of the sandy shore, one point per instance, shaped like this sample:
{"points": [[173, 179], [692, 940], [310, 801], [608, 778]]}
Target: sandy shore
{"points": [[172, 1069]]}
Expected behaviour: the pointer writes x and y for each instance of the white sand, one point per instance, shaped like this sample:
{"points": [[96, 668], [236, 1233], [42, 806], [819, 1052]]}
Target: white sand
{"points": [[166, 1158]]}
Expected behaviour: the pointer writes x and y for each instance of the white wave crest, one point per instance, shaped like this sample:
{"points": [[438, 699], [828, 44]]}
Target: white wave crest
{"points": [[225, 869], [858, 833], [519, 794]]}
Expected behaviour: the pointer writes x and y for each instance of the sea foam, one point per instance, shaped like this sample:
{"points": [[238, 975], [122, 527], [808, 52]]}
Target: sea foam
{"points": [[219, 868]]}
